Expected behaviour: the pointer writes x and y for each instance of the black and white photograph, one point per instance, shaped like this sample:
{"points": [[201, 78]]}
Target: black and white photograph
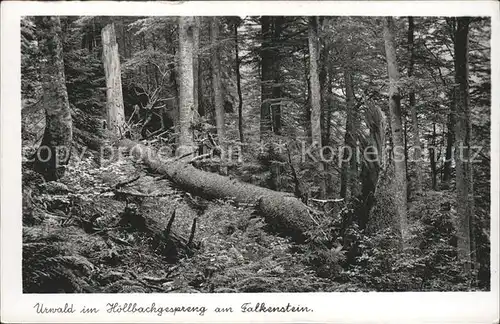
{"points": [[237, 154]]}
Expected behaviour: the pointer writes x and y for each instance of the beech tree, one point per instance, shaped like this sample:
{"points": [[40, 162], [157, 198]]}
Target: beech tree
{"points": [[315, 96], [399, 181], [216, 81], [55, 148], [111, 62]]}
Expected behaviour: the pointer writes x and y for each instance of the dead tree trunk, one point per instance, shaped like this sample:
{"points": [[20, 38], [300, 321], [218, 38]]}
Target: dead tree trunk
{"points": [[284, 213], [114, 96]]}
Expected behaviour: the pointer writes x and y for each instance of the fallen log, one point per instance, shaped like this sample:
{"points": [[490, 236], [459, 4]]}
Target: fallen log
{"points": [[284, 214]]}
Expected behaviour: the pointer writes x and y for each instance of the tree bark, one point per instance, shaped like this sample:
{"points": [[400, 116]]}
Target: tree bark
{"points": [[307, 96], [465, 197], [450, 139], [284, 213], [399, 181], [314, 81], [417, 146], [112, 71], [266, 77], [432, 158], [330, 185], [349, 176], [373, 162], [323, 82], [216, 80], [238, 82], [315, 96], [271, 29], [186, 84], [199, 75], [217, 89], [276, 103], [55, 149], [196, 64]]}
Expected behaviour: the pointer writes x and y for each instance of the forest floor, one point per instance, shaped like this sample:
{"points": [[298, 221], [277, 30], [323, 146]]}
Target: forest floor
{"points": [[73, 240]]}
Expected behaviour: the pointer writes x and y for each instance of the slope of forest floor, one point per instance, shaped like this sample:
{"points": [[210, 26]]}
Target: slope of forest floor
{"points": [[73, 241]]}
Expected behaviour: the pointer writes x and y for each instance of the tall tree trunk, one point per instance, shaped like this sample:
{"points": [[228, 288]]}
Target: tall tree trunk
{"points": [[270, 75], [186, 84], [450, 139], [417, 146], [326, 115], [155, 69], [276, 103], [432, 158], [373, 162], [174, 67], [315, 96], [405, 139], [465, 197], [238, 82], [55, 149], [349, 174], [217, 82], [330, 186], [323, 82], [399, 181], [307, 96], [196, 64], [112, 71], [266, 76]]}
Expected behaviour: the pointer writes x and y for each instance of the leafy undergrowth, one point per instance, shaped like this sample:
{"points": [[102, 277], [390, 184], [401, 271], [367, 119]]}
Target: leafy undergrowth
{"points": [[75, 239]]}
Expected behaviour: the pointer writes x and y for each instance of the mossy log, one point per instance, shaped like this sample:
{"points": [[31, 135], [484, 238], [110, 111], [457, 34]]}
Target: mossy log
{"points": [[284, 213]]}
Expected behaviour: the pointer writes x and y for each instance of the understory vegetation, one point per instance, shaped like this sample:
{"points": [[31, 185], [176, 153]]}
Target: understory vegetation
{"points": [[75, 241]]}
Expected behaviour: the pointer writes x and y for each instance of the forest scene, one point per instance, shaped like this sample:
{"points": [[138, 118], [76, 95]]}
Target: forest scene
{"points": [[255, 154]]}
